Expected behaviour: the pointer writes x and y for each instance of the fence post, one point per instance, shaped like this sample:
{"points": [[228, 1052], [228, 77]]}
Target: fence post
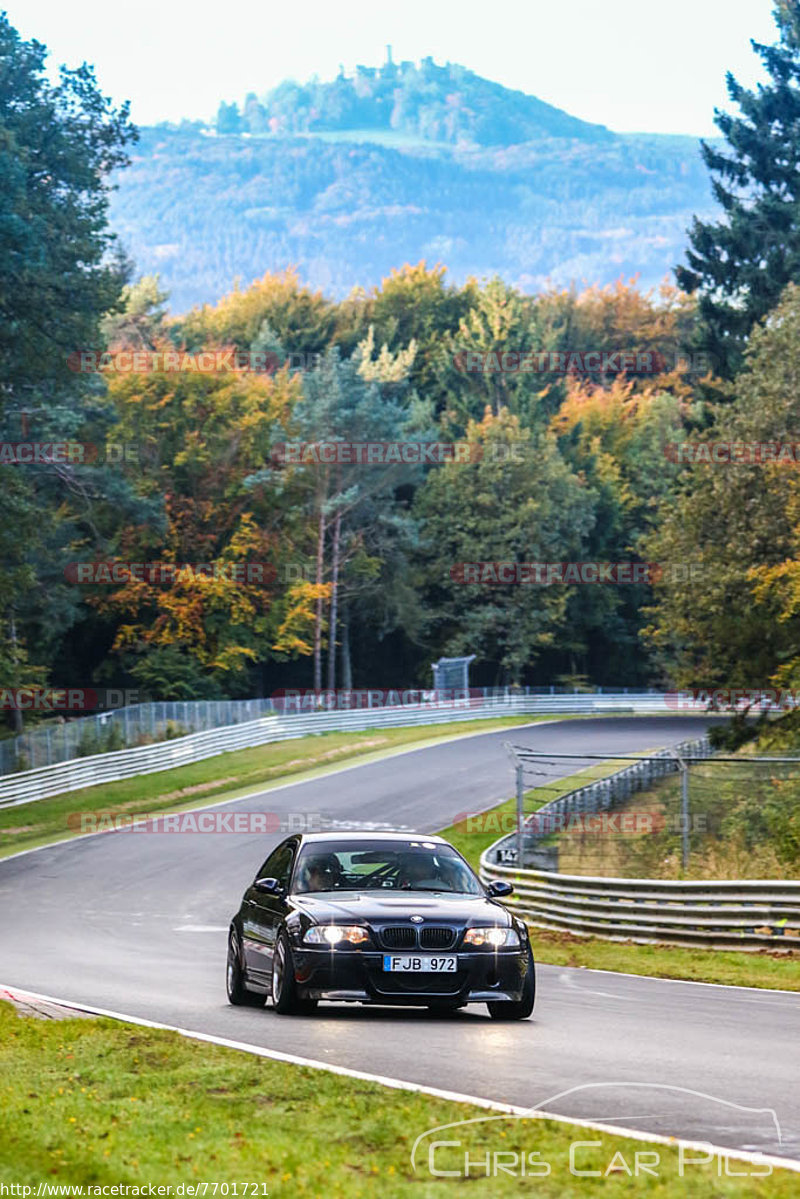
{"points": [[685, 815]]}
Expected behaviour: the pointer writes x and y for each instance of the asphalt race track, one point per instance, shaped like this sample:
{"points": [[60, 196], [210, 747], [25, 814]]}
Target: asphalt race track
{"points": [[137, 924]]}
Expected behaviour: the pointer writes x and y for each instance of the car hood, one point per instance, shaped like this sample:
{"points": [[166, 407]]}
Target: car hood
{"points": [[356, 906]]}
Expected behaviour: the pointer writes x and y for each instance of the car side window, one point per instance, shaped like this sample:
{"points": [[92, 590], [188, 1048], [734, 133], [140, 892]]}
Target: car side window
{"points": [[279, 865]]}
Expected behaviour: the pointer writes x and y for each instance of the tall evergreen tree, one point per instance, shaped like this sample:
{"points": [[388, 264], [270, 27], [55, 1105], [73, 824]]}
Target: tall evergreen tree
{"points": [[741, 264], [59, 274]]}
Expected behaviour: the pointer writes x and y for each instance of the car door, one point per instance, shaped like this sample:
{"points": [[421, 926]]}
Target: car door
{"points": [[264, 911]]}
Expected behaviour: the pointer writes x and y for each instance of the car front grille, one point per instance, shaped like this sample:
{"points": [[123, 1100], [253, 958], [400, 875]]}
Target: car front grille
{"points": [[437, 938], [399, 938], [405, 937]]}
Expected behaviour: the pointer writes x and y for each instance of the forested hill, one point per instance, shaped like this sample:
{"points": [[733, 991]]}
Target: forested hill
{"points": [[435, 103], [351, 179]]}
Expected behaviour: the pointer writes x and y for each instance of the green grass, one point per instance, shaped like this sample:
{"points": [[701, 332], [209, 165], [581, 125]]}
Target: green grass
{"points": [[746, 825], [99, 1102], [474, 834], [222, 777], [768, 968]]}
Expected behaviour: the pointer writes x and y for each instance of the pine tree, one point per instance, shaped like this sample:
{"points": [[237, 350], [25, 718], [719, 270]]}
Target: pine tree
{"points": [[741, 264]]}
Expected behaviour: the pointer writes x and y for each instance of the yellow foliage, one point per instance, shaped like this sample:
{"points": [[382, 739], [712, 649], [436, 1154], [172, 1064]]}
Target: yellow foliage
{"points": [[295, 635]]}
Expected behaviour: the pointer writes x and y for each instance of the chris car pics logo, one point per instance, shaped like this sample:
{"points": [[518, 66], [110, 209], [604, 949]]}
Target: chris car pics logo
{"points": [[499, 1146]]}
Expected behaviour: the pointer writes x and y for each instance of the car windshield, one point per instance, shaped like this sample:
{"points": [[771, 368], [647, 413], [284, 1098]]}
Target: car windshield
{"points": [[415, 865]]}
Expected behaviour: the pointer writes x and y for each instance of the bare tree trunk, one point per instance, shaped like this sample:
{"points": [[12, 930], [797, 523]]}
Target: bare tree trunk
{"points": [[19, 725], [319, 611], [337, 536], [347, 665]]}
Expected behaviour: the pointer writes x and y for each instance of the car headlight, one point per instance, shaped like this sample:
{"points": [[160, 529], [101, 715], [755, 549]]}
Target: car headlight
{"points": [[332, 934], [496, 937]]}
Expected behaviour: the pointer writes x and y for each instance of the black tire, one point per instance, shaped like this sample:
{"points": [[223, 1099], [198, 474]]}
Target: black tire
{"points": [[284, 988], [238, 993], [504, 1009]]}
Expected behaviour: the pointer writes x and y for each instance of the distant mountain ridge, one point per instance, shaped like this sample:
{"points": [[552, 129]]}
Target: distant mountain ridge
{"points": [[449, 104], [399, 164]]}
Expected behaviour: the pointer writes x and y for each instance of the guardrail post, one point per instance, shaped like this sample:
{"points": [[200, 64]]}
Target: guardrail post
{"points": [[520, 816], [678, 751], [685, 815]]}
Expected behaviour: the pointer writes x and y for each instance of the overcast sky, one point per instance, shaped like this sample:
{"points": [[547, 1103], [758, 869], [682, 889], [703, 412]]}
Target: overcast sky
{"points": [[634, 65]]}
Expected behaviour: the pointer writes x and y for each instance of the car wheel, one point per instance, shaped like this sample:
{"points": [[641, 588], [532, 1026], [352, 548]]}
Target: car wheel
{"points": [[504, 1009], [284, 988], [238, 993]]}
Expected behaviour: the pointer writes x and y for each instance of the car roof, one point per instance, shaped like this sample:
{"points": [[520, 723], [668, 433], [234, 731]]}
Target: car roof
{"points": [[344, 835]]}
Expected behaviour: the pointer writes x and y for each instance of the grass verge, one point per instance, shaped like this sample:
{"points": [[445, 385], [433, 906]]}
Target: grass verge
{"points": [[772, 969], [221, 777], [99, 1103], [472, 835], [767, 968]]}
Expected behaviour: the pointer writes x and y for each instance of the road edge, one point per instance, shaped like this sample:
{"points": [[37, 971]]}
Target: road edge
{"points": [[510, 1109]]}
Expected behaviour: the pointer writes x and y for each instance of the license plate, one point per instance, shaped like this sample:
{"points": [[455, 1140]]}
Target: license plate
{"points": [[419, 963]]}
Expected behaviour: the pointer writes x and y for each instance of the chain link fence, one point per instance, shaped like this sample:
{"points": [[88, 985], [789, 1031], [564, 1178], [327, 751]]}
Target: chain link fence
{"points": [[61, 740], [683, 813], [137, 724]]}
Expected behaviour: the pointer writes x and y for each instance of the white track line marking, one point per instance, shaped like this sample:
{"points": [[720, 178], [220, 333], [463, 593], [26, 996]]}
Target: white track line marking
{"points": [[418, 1088], [200, 928], [763, 992]]}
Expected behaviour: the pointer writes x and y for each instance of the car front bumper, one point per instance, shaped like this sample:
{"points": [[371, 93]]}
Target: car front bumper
{"points": [[354, 975]]}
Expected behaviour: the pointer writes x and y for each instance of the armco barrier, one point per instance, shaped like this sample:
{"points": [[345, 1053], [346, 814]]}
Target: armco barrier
{"points": [[721, 915], [133, 724], [147, 759]]}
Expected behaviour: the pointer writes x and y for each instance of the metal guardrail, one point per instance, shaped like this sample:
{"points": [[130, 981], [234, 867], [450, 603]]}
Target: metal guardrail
{"points": [[135, 724], [719, 915], [740, 914], [29, 785], [60, 741]]}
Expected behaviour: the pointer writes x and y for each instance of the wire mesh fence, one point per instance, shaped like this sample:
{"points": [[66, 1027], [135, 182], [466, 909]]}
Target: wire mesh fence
{"points": [[61, 740], [684, 813], [137, 724]]}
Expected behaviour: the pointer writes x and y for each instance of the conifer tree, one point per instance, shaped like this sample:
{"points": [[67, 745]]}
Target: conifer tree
{"points": [[740, 264]]}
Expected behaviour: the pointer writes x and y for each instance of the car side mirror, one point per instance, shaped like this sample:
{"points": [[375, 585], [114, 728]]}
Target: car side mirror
{"points": [[498, 889], [269, 886]]}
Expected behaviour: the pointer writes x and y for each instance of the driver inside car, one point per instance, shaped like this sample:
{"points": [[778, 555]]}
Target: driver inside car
{"points": [[317, 875], [418, 872]]}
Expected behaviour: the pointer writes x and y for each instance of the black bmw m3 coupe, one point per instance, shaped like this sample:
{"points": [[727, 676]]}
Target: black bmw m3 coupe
{"points": [[378, 918]]}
